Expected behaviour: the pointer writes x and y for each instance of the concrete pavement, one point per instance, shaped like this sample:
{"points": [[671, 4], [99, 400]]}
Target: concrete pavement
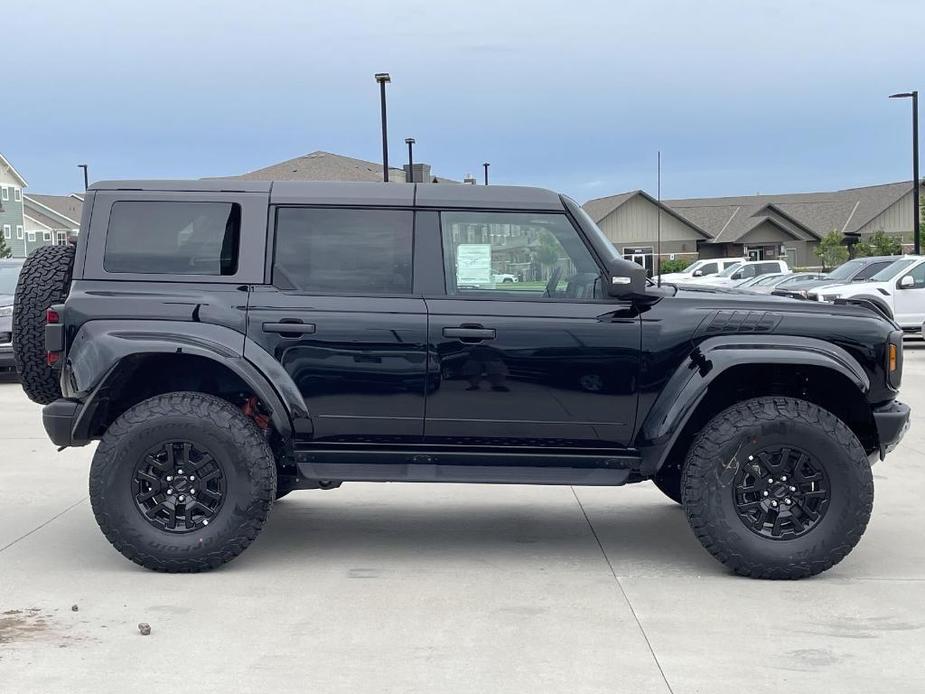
{"points": [[443, 588]]}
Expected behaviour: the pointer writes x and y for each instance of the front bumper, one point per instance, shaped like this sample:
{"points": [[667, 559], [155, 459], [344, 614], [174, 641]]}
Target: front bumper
{"points": [[892, 421]]}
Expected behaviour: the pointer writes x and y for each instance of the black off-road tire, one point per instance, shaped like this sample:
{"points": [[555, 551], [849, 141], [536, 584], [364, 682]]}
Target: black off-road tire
{"points": [[45, 279], [235, 443], [668, 480], [723, 448]]}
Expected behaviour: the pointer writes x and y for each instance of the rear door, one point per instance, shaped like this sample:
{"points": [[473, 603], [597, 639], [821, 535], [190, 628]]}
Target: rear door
{"points": [[541, 363], [341, 318]]}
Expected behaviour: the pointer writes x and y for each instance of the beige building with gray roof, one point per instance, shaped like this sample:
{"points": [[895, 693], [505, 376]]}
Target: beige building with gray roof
{"points": [[786, 226]]}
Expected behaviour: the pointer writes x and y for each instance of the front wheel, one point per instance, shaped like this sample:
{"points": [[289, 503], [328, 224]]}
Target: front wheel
{"points": [[777, 488], [182, 482]]}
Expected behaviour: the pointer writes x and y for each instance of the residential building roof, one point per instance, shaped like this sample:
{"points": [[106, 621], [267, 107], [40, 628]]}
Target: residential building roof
{"points": [[12, 169], [802, 215], [324, 166], [64, 210]]}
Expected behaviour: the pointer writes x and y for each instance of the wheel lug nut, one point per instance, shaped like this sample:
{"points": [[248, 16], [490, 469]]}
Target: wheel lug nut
{"points": [[170, 478], [773, 503], [770, 480], [793, 489], [179, 472], [169, 490], [766, 493], [192, 478], [192, 492], [784, 478], [788, 501], [182, 498]]}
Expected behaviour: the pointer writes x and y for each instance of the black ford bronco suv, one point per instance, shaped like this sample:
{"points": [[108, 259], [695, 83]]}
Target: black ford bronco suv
{"points": [[229, 342]]}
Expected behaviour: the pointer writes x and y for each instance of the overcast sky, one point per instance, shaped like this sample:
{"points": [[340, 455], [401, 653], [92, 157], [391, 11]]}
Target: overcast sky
{"points": [[740, 96]]}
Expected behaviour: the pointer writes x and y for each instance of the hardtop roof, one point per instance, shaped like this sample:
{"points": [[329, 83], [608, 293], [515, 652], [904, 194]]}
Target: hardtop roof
{"points": [[358, 193]]}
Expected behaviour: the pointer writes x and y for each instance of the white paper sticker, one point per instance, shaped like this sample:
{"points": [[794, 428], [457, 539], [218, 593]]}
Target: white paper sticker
{"points": [[473, 263]]}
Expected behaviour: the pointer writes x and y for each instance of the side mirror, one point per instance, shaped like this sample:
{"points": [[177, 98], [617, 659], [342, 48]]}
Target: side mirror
{"points": [[698, 273], [907, 282], [737, 275], [624, 279]]}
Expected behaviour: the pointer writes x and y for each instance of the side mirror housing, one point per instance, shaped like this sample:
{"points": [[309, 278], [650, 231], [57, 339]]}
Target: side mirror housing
{"points": [[698, 273], [907, 282], [624, 279]]}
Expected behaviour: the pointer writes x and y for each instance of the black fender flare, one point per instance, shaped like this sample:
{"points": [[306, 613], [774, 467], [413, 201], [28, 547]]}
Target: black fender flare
{"points": [[688, 385], [100, 346]]}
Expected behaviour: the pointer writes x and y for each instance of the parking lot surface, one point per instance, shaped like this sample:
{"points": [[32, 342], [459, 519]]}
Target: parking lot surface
{"points": [[451, 588]]}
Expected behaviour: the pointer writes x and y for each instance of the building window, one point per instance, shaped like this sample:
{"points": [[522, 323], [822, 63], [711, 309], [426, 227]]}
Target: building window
{"points": [[19, 231], [31, 234], [46, 236], [17, 194], [4, 193], [61, 238], [7, 231]]}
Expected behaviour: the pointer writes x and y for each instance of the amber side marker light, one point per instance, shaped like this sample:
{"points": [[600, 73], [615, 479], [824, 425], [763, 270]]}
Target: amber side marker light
{"points": [[892, 357]]}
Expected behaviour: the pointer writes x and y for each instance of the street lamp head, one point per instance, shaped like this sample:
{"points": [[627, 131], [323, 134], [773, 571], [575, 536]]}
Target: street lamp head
{"points": [[902, 95], [383, 77], [409, 140]]}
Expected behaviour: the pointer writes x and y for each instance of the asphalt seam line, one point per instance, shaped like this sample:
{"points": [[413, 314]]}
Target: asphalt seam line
{"points": [[622, 591], [35, 530]]}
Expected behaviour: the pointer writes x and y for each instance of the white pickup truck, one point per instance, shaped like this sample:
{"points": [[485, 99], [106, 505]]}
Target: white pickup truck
{"points": [[898, 289]]}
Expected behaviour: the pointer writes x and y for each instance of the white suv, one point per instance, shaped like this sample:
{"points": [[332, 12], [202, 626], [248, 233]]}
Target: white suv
{"points": [[736, 274], [701, 268], [899, 288]]}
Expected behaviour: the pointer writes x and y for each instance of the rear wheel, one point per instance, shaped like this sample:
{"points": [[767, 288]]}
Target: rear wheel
{"points": [[45, 280], [777, 488], [182, 482]]}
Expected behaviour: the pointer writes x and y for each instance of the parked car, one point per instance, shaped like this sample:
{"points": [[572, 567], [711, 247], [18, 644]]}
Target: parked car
{"points": [[898, 291], [227, 347], [768, 284], [9, 274], [733, 276], [701, 268], [502, 277], [856, 270]]}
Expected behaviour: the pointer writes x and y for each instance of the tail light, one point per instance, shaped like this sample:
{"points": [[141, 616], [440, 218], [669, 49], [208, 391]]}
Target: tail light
{"points": [[54, 335]]}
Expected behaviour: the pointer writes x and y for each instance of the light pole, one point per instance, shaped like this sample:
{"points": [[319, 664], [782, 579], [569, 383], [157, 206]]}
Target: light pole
{"points": [[485, 166], [410, 142], [916, 213], [382, 78], [86, 176]]}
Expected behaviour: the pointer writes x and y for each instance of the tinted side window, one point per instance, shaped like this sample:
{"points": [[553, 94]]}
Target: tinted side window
{"points": [[343, 251], [709, 269], [918, 274], [173, 238], [747, 271], [871, 270]]}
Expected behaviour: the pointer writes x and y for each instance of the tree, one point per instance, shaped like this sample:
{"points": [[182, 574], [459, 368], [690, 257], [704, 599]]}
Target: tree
{"points": [[676, 265], [882, 243], [5, 251], [831, 251]]}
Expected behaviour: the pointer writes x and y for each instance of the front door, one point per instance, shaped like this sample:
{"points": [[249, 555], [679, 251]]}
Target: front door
{"points": [[341, 319], [909, 302], [543, 363]]}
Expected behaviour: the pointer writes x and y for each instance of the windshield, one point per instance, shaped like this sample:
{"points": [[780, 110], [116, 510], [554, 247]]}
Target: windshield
{"points": [[8, 276], [729, 271], [847, 270], [891, 270]]}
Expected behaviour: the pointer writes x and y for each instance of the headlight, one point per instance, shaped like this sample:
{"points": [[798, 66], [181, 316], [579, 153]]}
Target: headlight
{"points": [[6, 311], [830, 297]]}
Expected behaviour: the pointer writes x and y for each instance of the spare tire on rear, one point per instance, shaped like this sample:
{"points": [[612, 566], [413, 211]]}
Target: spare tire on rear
{"points": [[45, 279]]}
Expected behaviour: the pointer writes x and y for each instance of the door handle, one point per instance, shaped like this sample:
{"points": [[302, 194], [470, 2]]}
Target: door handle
{"points": [[299, 328], [470, 334]]}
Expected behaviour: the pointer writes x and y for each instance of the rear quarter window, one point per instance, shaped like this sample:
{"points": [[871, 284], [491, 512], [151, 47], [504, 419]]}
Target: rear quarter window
{"points": [[173, 238]]}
